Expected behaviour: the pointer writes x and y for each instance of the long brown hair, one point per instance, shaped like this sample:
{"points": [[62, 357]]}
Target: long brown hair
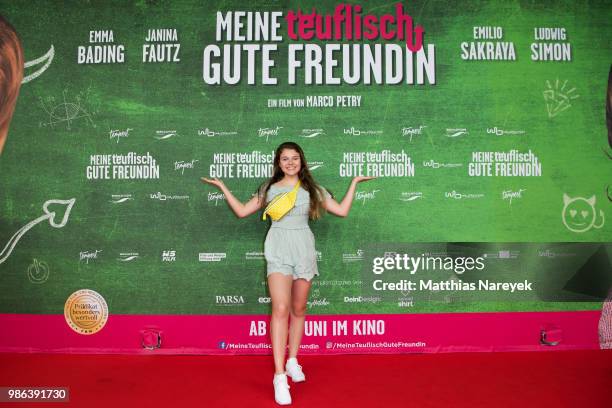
{"points": [[11, 73], [306, 179]]}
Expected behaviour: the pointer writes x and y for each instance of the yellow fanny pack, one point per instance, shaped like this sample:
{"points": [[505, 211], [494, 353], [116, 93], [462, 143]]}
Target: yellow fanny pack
{"points": [[281, 204]]}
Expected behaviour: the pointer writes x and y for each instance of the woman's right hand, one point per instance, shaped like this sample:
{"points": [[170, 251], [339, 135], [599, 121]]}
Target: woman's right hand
{"points": [[215, 182]]}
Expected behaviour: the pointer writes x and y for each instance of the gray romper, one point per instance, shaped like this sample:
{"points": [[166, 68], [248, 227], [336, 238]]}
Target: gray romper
{"points": [[290, 244]]}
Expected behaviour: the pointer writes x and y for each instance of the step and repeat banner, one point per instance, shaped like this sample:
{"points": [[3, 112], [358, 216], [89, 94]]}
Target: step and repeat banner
{"points": [[484, 122]]}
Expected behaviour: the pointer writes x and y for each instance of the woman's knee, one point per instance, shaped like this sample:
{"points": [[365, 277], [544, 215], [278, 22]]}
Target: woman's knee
{"points": [[298, 309], [280, 309]]}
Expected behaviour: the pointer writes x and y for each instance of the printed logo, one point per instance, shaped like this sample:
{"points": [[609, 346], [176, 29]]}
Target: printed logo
{"points": [[435, 165], [358, 132], [357, 256], [254, 255], [365, 195], [411, 132], [164, 197], [128, 256], [264, 300], [550, 254], [503, 132], [182, 165], [313, 165], [216, 196], [456, 132], [86, 311], [120, 198], [212, 133], [222, 345], [165, 134], [118, 134], [410, 195], [229, 300], [463, 196], [579, 214], [510, 195], [502, 254], [362, 299], [211, 256], [267, 132], [169, 256], [309, 133], [87, 255], [558, 99]]}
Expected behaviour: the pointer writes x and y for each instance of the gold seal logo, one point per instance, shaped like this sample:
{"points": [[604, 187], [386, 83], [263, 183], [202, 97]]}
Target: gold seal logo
{"points": [[86, 311]]}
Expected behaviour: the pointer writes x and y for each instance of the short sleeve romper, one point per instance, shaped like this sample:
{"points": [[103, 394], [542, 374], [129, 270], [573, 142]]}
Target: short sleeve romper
{"points": [[290, 244]]}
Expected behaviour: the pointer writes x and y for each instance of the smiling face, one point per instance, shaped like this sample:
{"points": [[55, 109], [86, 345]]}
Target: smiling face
{"points": [[290, 162], [578, 213]]}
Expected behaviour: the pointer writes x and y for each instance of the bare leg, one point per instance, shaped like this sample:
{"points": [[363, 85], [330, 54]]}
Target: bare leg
{"points": [[280, 292], [299, 297]]}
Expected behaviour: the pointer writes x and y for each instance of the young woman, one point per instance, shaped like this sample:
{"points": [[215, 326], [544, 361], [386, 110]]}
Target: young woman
{"points": [[290, 252]]}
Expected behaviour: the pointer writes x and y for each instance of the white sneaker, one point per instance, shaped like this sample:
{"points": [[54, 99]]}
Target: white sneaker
{"points": [[294, 370], [281, 389]]}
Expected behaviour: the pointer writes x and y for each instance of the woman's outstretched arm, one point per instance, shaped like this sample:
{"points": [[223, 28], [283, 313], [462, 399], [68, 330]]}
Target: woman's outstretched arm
{"points": [[342, 209], [241, 210]]}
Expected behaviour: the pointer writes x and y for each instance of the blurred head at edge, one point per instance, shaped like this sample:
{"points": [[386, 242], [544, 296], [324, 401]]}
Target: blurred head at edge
{"points": [[11, 74]]}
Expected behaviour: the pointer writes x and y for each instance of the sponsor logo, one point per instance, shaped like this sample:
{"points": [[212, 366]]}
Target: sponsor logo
{"points": [[264, 299], [313, 165], [120, 198], [510, 195], [357, 256], [164, 197], [413, 131], [319, 255], [168, 256], [211, 256], [254, 255], [551, 254], [118, 134], [318, 302], [87, 255], [229, 300], [358, 132], [405, 301], [456, 132], [216, 196], [435, 165], [182, 165], [267, 132], [463, 196], [212, 133], [502, 254], [308, 133], [410, 195], [503, 132], [128, 256], [222, 345], [362, 299], [165, 134], [365, 196]]}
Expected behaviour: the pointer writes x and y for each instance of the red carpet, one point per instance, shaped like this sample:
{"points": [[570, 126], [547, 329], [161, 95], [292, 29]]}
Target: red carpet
{"points": [[522, 379]]}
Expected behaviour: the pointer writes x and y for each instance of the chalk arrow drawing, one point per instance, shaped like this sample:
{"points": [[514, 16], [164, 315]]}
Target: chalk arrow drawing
{"points": [[49, 215], [48, 57]]}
